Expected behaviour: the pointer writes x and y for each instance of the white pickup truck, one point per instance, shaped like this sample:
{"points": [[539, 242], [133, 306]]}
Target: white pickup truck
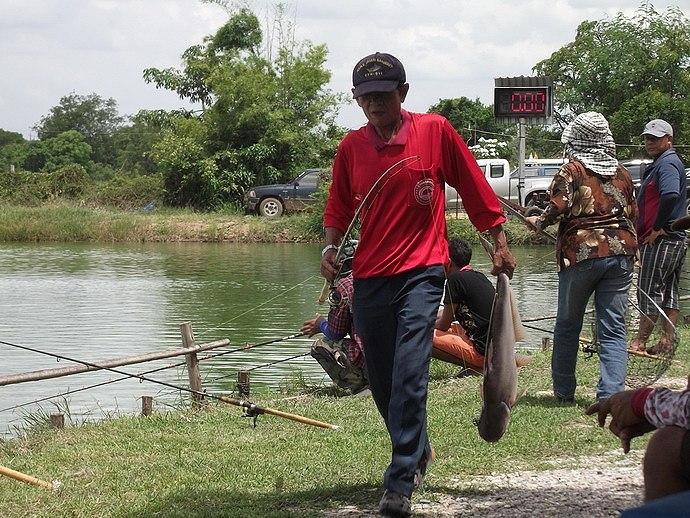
{"points": [[536, 179], [497, 173], [532, 192]]}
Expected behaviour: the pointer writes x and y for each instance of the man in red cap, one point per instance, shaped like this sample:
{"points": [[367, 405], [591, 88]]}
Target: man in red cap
{"points": [[390, 175]]}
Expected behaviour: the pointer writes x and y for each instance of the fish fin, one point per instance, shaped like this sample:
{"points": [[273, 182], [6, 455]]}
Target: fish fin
{"points": [[518, 397], [518, 329]]}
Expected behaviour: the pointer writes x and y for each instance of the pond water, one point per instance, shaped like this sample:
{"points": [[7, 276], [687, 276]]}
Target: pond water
{"points": [[92, 303]]}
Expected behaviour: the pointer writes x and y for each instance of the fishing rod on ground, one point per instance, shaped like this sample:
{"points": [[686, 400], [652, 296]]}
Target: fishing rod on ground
{"points": [[251, 409], [171, 366]]}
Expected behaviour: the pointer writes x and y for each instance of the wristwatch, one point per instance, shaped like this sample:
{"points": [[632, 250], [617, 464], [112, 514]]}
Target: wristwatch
{"points": [[327, 248]]}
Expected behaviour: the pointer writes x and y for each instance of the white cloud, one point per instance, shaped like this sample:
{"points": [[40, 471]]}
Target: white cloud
{"points": [[450, 49]]}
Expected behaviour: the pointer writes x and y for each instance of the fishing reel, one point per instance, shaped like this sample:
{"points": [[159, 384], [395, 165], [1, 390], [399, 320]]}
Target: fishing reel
{"points": [[334, 297]]}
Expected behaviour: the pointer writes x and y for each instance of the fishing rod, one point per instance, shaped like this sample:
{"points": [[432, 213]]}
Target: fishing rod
{"points": [[519, 211], [250, 346], [95, 385], [328, 285], [251, 409], [28, 478], [279, 361]]}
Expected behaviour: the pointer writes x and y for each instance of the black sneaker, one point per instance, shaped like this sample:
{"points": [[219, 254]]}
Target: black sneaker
{"points": [[395, 504], [565, 400]]}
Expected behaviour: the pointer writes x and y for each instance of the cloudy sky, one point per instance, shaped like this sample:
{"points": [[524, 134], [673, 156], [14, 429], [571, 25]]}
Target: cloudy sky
{"points": [[450, 48]]}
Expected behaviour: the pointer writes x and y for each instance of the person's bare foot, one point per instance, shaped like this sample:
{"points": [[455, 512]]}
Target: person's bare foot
{"points": [[638, 345], [663, 347]]}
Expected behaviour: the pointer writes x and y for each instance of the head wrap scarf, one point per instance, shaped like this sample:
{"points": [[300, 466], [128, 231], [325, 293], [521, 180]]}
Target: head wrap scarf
{"points": [[588, 139]]}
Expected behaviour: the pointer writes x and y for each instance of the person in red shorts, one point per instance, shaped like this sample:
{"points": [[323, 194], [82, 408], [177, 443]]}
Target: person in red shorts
{"points": [[389, 177]]}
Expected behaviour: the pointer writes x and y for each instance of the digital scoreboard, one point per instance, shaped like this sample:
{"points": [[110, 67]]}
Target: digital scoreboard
{"points": [[522, 101]]}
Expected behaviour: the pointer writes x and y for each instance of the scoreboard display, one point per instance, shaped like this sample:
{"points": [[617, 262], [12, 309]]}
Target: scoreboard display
{"points": [[522, 101]]}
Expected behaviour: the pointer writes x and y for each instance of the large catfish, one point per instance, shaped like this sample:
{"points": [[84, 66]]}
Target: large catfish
{"points": [[499, 386]]}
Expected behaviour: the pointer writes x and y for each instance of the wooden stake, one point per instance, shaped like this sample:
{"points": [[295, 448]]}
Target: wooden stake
{"points": [[146, 405]]}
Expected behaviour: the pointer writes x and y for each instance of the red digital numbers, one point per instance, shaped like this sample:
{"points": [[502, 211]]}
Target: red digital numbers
{"points": [[528, 102], [522, 101]]}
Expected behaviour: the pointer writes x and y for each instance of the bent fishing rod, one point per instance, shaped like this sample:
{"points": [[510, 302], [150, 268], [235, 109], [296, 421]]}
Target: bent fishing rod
{"points": [[251, 409], [387, 174], [518, 210]]}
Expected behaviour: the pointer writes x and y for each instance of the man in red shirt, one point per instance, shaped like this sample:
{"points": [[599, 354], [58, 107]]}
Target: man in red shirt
{"points": [[390, 174]]}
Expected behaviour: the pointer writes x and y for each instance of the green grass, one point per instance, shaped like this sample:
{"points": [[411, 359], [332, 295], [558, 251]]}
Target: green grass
{"points": [[65, 222], [214, 463]]}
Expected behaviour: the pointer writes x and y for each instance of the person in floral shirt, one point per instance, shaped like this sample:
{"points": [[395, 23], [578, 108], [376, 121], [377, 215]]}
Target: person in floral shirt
{"points": [[592, 199]]}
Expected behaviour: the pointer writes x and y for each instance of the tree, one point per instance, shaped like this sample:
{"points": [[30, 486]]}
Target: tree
{"points": [[629, 69], [66, 148], [13, 150], [265, 113], [472, 120], [95, 118], [487, 138]]}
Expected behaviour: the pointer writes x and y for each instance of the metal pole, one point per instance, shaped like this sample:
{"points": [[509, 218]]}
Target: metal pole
{"points": [[522, 124]]}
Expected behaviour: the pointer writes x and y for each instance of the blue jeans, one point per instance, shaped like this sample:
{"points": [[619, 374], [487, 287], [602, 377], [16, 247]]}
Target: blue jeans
{"points": [[394, 316], [609, 278]]}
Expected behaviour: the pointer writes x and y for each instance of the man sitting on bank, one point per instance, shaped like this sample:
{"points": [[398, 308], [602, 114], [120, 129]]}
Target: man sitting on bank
{"points": [[462, 326]]}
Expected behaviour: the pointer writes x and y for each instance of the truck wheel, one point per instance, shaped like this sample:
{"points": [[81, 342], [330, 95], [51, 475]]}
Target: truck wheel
{"points": [[533, 211], [271, 208]]}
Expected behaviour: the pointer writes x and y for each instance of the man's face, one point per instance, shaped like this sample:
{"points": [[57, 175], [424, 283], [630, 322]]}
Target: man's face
{"points": [[382, 109], [657, 145]]}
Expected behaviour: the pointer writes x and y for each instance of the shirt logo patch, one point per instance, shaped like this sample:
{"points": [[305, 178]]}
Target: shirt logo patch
{"points": [[424, 191]]}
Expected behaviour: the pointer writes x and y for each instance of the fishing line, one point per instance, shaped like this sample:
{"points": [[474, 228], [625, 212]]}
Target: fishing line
{"points": [[251, 410], [279, 361], [223, 325], [249, 346]]}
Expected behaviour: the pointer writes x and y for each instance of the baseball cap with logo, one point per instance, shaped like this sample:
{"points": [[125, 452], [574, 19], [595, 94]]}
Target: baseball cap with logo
{"points": [[658, 128], [379, 72]]}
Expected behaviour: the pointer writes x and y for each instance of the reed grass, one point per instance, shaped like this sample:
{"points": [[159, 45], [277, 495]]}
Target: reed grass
{"points": [[62, 222]]}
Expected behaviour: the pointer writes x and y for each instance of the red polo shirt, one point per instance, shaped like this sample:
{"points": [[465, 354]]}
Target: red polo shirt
{"points": [[403, 223]]}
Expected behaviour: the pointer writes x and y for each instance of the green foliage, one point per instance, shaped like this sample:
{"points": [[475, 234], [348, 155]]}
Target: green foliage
{"points": [[28, 188], [631, 69], [10, 137], [265, 118], [95, 118], [68, 147], [468, 116], [133, 144], [129, 192], [14, 153]]}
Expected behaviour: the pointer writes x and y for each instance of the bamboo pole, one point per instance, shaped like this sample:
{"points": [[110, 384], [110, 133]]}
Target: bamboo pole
{"points": [[26, 478], [106, 364], [255, 410]]}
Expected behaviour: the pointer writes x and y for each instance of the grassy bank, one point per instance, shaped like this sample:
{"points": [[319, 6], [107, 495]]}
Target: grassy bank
{"points": [[66, 223], [213, 463]]}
